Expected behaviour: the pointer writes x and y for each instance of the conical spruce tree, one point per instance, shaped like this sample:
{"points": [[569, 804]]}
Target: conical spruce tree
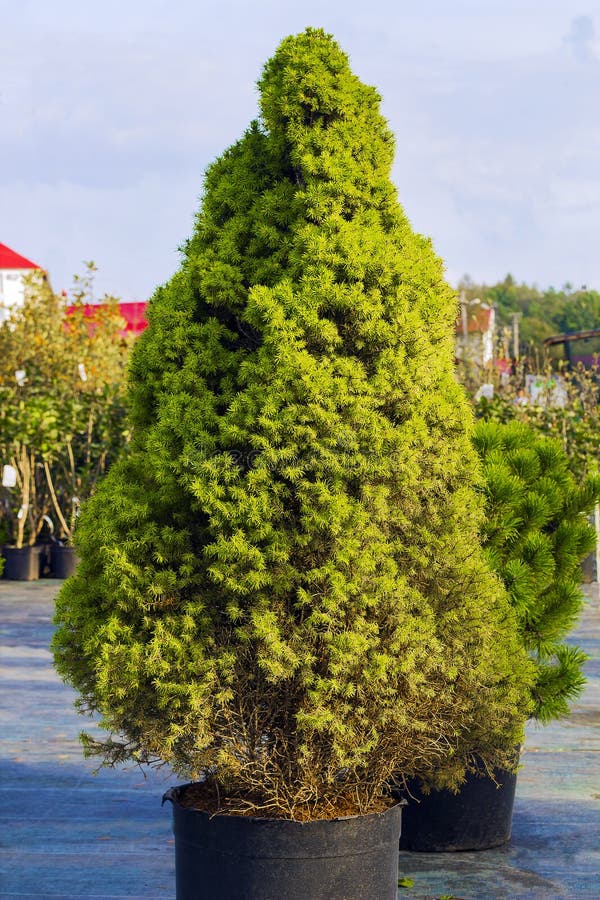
{"points": [[282, 588], [535, 536]]}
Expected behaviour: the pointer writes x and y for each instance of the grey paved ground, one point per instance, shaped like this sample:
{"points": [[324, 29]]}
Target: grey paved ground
{"points": [[67, 833]]}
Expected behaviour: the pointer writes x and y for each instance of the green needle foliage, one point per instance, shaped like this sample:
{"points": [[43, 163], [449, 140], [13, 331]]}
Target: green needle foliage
{"points": [[536, 534], [282, 586]]}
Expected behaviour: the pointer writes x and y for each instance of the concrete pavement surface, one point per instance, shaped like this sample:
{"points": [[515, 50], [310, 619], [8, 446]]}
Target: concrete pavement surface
{"points": [[69, 833]]}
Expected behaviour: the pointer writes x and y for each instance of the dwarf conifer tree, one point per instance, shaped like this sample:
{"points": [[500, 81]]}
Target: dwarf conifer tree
{"points": [[282, 586], [536, 534]]}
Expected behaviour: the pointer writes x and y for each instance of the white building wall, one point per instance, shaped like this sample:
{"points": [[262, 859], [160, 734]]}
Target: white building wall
{"points": [[12, 290], [488, 339]]}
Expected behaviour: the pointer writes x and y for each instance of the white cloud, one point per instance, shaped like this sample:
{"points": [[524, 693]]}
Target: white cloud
{"points": [[131, 232], [582, 39]]}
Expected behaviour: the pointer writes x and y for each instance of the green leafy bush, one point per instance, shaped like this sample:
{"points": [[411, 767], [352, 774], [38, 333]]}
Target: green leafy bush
{"points": [[282, 587], [62, 387], [566, 407], [536, 534]]}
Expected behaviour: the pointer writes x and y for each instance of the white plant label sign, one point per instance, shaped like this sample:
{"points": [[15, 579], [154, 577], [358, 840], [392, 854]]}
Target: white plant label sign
{"points": [[9, 476]]}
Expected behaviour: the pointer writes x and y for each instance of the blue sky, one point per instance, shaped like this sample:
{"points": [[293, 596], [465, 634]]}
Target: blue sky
{"points": [[111, 112]]}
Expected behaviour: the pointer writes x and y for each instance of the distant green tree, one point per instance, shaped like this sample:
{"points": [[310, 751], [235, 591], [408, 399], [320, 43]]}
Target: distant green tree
{"points": [[580, 313], [543, 312], [281, 586]]}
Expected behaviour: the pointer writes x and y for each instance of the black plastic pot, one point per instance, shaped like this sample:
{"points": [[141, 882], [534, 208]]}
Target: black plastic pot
{"points": [[241, 858], [63, 561], [479, 817], [21, 564]]}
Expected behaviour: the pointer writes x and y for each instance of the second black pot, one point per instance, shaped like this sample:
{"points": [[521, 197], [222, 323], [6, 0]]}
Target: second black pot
{"points": [[479, 817], [63, 561], [240, 858]]}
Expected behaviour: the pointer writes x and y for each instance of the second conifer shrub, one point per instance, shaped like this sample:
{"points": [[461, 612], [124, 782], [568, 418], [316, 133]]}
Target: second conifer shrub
{"points": [[536, 534], [281, 587]]}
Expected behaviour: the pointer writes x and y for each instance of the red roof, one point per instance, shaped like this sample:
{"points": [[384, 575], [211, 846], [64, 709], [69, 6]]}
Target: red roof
{"points": [[11, 260], [479, 320], [133, 313]]}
